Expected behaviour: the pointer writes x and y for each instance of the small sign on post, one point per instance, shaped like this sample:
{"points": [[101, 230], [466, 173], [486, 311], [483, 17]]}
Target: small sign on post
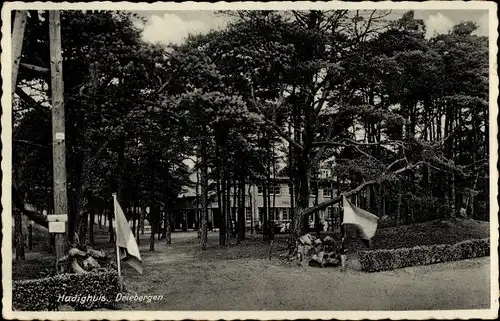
{"points": [[57, 227], [57, 223]]}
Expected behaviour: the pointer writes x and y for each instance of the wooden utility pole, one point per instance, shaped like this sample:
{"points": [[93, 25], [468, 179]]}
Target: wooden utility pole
{"points": [[58, 130], [17, 43]]}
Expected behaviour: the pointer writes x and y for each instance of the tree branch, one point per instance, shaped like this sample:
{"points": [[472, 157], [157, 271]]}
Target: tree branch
{"points": [[320, 153], [273, 124], [481, 163], [29, 100], [395, 162], [341, 144], [26, 142], [337, 199], [356, 190], [350, 141], [165, 84], [19, 203], [31, 67]]}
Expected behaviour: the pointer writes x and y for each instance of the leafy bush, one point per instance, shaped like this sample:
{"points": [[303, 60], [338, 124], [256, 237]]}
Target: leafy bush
{"points": [[80, 291], [380, 260]]}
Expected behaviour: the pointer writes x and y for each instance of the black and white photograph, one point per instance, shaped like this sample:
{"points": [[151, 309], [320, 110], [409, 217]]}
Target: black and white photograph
{"points": [[247, 160]]}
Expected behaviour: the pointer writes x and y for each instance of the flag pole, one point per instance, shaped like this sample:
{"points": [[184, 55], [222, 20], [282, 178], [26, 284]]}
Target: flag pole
{"points": [[118, 260]]}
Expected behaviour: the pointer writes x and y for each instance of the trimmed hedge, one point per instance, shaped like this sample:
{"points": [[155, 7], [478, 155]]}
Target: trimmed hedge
{"points": [[80, 291], [381, 260]]}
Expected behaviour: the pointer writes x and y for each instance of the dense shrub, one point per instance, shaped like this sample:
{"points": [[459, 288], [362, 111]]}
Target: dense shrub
{"points": [[82, 292], [380, 260]]}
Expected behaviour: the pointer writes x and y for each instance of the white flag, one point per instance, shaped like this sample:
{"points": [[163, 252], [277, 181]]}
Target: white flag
{"points": [[366, 221], [125, 238]]}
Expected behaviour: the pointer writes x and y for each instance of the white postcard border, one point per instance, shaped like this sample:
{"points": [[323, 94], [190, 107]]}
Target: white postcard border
{"points": [[6, 163]]}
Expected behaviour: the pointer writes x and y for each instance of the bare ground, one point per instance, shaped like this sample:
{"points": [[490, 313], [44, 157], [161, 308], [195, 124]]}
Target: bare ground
{"points": [[241, 277], [219, 279]]}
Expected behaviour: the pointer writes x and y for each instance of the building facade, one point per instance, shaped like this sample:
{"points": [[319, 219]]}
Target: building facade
{"points": [[280, 203]]}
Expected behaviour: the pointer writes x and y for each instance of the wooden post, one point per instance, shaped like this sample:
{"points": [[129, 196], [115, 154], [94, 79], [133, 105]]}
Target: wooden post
{"points": [[17, 43], [58, 129], [30, 235]]}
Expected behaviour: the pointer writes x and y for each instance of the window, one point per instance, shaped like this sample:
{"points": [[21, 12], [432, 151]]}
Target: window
{"points": [[325, 173], [276, 190], [278, 214], [333, 212], [248, 214], [286, 213], [327, 192], [272, 214], [290, 189]]}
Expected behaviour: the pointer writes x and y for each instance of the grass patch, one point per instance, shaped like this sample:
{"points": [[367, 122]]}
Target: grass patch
{"points": [[406, 236], [428, 233], [36, 268], [251, 248]]}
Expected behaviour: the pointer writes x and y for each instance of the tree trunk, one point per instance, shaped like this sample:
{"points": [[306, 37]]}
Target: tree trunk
{"points": [[30, 235], [154, 213], [18, 235], [264, 225], [111, 231], [241, 210], [220, 197], [204, 199], [197, 214], [84, 197], [398, 210], [184, 220], [134, 218], [228, 210], [143, 218], [301, 221], [91, 227], [452, 195], [140, 223], [234, 209], [84, 223], [52, 243], [316, 214], [291, 169], [223, 214], [250, 202], [275, 212], [19, 26], [168, 227]]}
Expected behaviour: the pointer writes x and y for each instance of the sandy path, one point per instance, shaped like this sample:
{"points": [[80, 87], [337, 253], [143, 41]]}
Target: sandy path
{"points": [[188, 283]]}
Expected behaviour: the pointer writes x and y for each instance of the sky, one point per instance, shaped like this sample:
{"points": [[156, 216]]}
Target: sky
{"points": [[174, 26]]}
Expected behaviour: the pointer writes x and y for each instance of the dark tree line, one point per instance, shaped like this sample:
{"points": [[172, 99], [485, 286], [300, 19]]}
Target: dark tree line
{"points": [[401, 120]]}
